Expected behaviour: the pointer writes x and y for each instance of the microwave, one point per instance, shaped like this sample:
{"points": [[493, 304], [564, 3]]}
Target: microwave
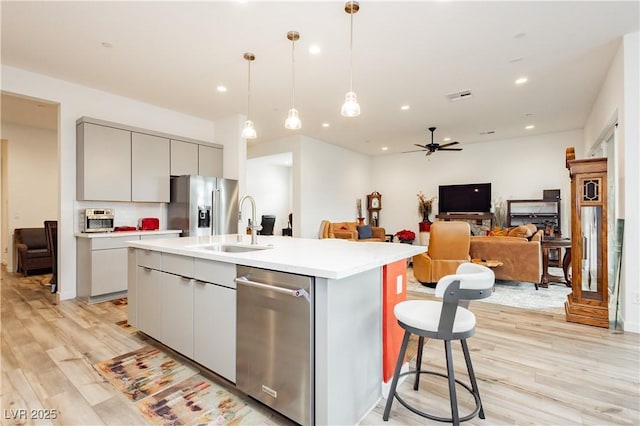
{"points": [[98, 220]]}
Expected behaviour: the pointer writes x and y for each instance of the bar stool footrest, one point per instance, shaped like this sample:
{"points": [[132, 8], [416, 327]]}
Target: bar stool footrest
{"points": [[434, 417]]}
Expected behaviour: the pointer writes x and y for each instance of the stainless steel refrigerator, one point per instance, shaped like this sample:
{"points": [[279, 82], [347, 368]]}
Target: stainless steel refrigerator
{"points": [[202, 205]]}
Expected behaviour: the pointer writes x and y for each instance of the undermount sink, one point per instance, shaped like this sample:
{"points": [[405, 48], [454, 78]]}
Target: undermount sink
{"points": [[229, 248]]}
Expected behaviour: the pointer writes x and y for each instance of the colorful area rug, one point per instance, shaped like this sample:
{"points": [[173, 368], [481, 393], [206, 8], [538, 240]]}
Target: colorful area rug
{"points": [[170, 393]]}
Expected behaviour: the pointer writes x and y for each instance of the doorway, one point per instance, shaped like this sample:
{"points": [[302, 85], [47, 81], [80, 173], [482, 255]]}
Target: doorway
{"points": [[30, 189]]}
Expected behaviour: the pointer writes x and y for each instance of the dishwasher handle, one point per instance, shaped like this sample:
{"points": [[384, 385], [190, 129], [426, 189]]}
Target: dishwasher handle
{"points": [[295, 293]]}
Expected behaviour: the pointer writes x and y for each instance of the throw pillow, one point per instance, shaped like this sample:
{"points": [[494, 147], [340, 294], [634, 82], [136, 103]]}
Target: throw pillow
{"points": [[364, 231], [519, 231]]}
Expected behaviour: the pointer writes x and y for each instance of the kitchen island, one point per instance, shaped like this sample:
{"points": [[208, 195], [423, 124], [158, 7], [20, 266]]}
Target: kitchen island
{"points": [[182, 292]]}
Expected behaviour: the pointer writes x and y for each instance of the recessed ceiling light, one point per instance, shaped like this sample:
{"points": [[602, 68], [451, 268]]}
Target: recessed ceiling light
{"points": [[529, 127], [325, 125], [405, 107], [384, 148], [522, 80], [106, 44], [314, 49], [446, 139], [221, 88]]}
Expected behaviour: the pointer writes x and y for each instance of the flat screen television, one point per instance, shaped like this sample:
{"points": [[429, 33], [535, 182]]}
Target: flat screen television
{"points": [[468, 198]]}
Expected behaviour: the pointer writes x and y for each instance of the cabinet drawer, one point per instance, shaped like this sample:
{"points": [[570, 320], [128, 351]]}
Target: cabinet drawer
{"points": [[215, 272], [176, 264], [112, 242], [149, 259]]}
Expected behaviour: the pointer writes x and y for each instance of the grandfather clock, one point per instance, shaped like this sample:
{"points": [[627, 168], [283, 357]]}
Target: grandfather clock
{"points": [[589, 298], [374, 204]]}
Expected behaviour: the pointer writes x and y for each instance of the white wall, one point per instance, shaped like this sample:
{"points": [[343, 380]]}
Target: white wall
{"points": [[270, 185], [618, 99], [76, 101], [516, 168], [326, 181], [32, 181]]}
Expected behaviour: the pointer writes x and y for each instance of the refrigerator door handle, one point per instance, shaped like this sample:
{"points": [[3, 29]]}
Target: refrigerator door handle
{"points": [[215, 212]]}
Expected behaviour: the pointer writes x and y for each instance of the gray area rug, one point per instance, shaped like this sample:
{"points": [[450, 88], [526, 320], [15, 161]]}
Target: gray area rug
{"points": [[516, 294]]}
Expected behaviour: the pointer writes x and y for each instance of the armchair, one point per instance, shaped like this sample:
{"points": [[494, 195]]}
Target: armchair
{"points": [[448, 248], [31, 249]]}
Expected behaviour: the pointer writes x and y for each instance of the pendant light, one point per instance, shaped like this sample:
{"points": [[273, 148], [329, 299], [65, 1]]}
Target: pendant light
{"points": [[351, 108], [248, 131], [293, 119]]}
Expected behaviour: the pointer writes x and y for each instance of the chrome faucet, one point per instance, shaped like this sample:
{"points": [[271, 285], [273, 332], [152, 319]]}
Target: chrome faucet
{"points": [[254, 228]]}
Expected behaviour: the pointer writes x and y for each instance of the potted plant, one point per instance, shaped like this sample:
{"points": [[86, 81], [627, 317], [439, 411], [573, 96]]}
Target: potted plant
{"points": [[405, 236], [425, 205]]}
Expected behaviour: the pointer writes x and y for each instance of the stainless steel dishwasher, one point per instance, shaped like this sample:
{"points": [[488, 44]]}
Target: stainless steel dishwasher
{"points": [[275, 340]]}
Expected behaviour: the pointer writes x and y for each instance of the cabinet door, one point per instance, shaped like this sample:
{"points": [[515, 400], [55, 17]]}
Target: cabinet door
{"points": [[177, 318], [149, 168], [132, 292], [184, 158], [209, 161], [103, 163], [214, 334], [108, 271], [149, 295]]}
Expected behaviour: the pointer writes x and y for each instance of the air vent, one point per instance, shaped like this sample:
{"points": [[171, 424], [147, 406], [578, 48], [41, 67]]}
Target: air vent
{"points": [[457, 96], [488, 132]]}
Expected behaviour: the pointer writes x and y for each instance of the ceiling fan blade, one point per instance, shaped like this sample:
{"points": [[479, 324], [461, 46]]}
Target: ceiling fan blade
{"points": [[415, 150], [449, 144], [421, 146], [428, 153], [450, 149]]}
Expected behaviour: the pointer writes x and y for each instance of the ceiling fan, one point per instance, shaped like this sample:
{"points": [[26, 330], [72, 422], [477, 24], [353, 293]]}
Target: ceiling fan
{"points": [[433, 147]]}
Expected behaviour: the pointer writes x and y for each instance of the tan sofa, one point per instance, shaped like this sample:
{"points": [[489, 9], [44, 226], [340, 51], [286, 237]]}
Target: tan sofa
{"points": [[348, 231], [521, 255]]}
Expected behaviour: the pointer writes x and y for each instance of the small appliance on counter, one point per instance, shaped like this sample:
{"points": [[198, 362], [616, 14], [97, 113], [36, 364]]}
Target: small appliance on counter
{"points": [[149, 224], [98, 220]]}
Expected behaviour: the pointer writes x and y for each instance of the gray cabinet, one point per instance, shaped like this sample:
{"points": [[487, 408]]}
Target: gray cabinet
{"points": [[214, 317], [103, 156], [116, 162], [184, 158], [149, 296], [209, 161], [149, 168], [188, 158], [177, 317]]}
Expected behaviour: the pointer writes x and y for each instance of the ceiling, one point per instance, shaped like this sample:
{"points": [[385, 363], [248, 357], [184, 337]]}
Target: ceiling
{"points": [[175, 54]]}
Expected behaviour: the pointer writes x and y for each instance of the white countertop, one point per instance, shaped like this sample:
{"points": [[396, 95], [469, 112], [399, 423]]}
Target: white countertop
{"points": [[327, 258], [124, 233]]}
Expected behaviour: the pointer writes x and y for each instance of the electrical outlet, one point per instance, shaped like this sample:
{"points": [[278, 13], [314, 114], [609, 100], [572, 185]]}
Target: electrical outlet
{"points": [[399, 281]]}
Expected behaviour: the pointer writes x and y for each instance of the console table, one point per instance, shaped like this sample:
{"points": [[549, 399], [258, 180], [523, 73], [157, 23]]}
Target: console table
{"points": [[478, 217], [550, 244]]}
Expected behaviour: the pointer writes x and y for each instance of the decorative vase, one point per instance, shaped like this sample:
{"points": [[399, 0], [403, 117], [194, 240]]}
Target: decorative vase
{"points": [[425, 225]]}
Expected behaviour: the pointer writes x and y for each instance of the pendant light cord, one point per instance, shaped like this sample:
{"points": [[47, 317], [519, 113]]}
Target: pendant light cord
{"points": [[249, 92], [351, 50], [293, 74]]}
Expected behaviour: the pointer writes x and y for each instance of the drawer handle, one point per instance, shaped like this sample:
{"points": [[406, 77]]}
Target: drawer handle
{"points": [[295, 293]]}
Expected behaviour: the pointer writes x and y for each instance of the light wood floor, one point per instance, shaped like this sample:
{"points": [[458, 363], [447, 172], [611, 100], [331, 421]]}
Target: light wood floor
{"points": [[533, 368]]}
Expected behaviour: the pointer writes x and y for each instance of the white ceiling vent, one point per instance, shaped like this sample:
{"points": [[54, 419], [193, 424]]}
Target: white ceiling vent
{"points": [[458, 96]]}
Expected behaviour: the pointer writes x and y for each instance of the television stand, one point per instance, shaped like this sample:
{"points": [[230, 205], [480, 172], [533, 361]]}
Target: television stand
{"points": [[478, 217]]}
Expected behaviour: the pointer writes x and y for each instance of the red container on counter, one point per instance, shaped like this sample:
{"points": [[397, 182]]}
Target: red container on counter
{"points": [[149, 224]]}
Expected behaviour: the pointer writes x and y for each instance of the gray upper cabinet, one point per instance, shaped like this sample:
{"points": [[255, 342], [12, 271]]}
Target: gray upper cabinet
{"points": [[149, 168], [209, 161], [116, 162], [103, 157], [184, 158]]}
